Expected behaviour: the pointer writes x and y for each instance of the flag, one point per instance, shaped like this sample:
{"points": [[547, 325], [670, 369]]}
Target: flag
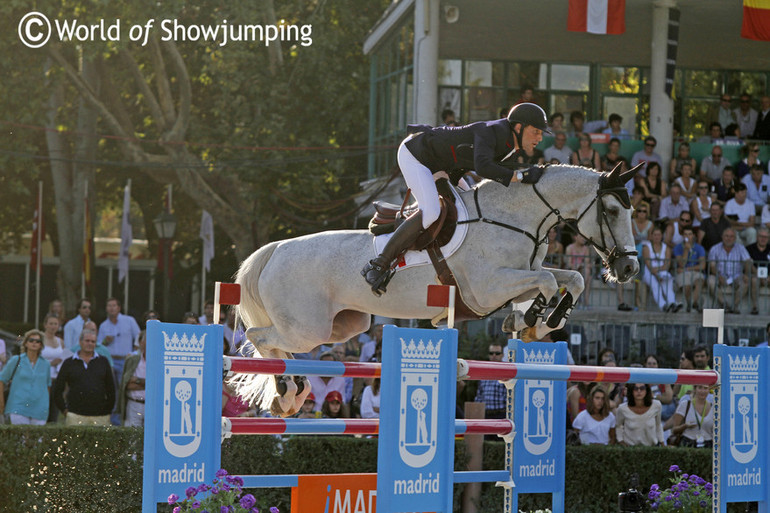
{"points": [[207, 234], [597, 16], [38, 233], [229, 293], [88, 242], [126, 235], [756, 20], [438, 295]]}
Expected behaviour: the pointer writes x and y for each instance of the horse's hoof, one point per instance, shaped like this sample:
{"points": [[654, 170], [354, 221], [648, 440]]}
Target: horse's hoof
{"points": [[513, 322], [535, 311], [561, 312]]}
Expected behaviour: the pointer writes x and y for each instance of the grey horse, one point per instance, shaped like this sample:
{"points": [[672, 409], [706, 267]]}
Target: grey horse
{"points": [[300, 293]]}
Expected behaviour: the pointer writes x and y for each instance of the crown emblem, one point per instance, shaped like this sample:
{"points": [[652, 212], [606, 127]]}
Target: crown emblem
{"points": [[420, 350], [743, 365], [541, 357], [185, 344]]}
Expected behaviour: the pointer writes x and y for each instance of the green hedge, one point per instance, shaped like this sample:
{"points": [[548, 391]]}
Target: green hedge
{"points": [[83, 470]]}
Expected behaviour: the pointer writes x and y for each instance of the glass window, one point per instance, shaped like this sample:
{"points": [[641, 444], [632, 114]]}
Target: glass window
{"points": [[570, 77], [450, 72], [619, 80], [702, 83], [695, 117], [478, 73], [483, 103], [739, 82], [566, 103]]}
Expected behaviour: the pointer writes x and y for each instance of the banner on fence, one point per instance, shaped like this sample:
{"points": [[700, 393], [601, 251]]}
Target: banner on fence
{"points": [[335, 493]]}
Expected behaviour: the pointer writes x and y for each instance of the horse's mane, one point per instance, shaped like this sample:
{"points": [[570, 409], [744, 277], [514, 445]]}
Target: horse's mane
{"points": [[557, 173]]}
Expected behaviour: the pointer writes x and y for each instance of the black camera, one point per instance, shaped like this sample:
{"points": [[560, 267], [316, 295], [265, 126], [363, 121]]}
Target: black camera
{"points": [[632, 499]]}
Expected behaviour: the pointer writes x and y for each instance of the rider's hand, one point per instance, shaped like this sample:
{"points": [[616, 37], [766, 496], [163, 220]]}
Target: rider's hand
{"points": [[531, 175]]}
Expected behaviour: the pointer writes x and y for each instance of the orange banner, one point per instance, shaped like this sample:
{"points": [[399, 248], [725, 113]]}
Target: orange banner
{"points": [[335, 493]]}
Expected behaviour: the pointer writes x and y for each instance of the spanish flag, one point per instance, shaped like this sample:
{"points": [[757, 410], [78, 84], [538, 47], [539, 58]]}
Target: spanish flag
{"points": [[756, 20], [597, 16]]}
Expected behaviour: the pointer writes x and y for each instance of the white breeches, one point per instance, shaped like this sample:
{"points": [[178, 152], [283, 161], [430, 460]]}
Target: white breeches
{"points": [[420, 180], [662, 287]]}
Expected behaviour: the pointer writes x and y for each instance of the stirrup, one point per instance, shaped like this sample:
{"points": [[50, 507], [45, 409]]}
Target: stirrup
{"points": [[379, 282]]}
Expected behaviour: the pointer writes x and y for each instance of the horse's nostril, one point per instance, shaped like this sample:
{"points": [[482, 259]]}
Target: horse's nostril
{"points": [[627, 270]]}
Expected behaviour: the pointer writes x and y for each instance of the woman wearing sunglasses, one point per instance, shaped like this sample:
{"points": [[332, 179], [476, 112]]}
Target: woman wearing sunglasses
{"points": [[30, 378], [638, 420]]}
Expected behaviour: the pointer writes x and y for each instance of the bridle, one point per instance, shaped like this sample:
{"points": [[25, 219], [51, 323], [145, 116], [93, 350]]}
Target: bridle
{"points": [[609, 255]]}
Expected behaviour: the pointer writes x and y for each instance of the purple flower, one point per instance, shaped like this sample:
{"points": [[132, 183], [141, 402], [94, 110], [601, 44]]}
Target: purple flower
{"points": [[247, 501], [677, 504], [669, 498], [700, 481], [703, 504], [221, 473], [685, 476], [226, 487], [673, 468], [190, 492], [709, 488], [195, 504], [655, 487], [237, 481], [254, 510], [274, 510], [695, 492], [177, 510], [173, 498], [655, 506]]}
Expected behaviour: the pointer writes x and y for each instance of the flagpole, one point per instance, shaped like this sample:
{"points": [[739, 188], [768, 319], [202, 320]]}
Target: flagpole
{"points": [[85, 242], [203, 279], [128, 269], [39, 261], [26, 292]]}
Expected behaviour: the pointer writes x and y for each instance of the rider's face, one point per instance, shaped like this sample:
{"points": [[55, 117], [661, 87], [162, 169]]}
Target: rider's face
{"points": [[530, 138]]}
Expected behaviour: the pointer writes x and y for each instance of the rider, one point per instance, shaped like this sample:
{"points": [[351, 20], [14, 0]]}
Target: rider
{"points": [[480, 146]]}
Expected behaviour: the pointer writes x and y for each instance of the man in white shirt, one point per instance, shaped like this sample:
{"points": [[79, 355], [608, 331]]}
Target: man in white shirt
{"points": [[118, 333], [559, 151], [74, 326], [712, 166], [741, 213], [745, 116], [647, 155], [725, 114], [673, 204], [757, 185]]}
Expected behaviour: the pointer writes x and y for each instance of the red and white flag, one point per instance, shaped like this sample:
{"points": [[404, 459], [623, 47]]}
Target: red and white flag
{"points": [[597, 16], [756, 20]]}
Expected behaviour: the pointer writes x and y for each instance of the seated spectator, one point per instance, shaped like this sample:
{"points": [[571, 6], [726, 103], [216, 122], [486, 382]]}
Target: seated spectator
{"points": [[715, 135], [647, 155], [690, 264], [638, 420], [675, 231], [757, 187], [673, 205], [333, 407], [733, 134], [637, 197], [306, 410], [586, 155], [576, 121], [663, 393], [614, 129], [613, 158], [728, 265], [30, 377], [535, 157], [760, 255], [641, 223], [686, 181], [683, 157], [694, 420], [711, 167], [324, 385], [555, 252], [657, 263], [686, 362], [577, 399], [751, 152], [700, 206], [655, 188], [556, 123], [370, 401], [710, 230], [596, 424], [741, 214], [578, 258], [369, 349], [559, 151], [606, 356], [724, 189], [190, 318]]}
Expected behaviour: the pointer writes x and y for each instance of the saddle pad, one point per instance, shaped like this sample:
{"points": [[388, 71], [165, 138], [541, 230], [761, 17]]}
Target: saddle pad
{"points": [[414, 258]]}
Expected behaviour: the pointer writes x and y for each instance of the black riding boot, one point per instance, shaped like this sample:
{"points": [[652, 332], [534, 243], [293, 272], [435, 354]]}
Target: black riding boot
{"points": [[378, 271]]}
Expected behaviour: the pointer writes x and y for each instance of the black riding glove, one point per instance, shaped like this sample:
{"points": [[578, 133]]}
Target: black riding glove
{"points": [[531, 175]]}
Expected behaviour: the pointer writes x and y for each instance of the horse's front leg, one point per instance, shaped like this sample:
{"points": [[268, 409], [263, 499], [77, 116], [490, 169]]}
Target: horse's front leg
{"points": [[572, 283], [521, 285]]}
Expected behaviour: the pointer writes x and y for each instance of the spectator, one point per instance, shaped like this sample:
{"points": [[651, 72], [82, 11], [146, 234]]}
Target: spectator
{"points": [[117, 333], [306, 410], [760, 255], [29, 376], [131, 394], [555, 252], [694, 420], [740, 211], [614, 391], [103, 351], [323, 385], [596, 424], [711, 167], [690, 264], [577, 400], [149, 315], [208, 313], [725, 114], [578, 258], [448, 117], [612, 158], [687, 182], [751, 152], [700, 206], [585, 155], [56, 307], [614, 130], [527, 95], [559, 150], [757, 184], [370, 401], [729, 263], [673, 205], [73, 328], [710, 231], [683, 157], [657, 262], [663, 393], [557, 123], [714, 136], [533, 157], [745, 116], [638, 420], [333, 407], [576, 121], [490, 391], [54, 353], [647, 155], [637, 197], [190, 318], [733, 134], [675, 231], [606, 356], [641, 223], [762, 130], [655, 188], [369, 348], [701, 357], [88, 377], [686, 362], [725, 187]]}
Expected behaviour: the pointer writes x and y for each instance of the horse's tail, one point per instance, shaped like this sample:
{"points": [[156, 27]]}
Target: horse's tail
{"points": [[251, 311]]}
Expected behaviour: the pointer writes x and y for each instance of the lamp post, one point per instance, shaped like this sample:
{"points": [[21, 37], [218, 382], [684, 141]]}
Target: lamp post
{"points": [[165, 226]]}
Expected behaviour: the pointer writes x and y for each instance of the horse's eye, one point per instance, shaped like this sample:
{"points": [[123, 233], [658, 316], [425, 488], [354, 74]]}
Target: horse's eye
{"points": [[613, 211]]}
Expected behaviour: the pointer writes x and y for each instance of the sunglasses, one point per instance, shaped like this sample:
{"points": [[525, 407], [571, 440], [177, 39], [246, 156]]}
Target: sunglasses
{"points": [[640, 388], [716, 154], [35, 340], [642, 211], [495, 353], [685, 219], [651, 145], [703, 187]]}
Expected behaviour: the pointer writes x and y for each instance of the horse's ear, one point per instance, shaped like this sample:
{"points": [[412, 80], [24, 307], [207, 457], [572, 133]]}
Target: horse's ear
{"points": [[628, 175], [614, 175]]}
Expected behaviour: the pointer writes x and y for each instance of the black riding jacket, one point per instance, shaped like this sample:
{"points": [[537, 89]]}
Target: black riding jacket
{"points": [[479, 146]]}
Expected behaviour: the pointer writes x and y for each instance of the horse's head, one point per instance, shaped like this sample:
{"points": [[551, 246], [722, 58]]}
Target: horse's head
{"points": [[609, 229]]}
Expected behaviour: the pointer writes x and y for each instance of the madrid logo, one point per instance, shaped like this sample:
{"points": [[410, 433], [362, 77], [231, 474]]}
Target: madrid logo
{"points": [[182, 394], [537, 431], [418, 403], [744, 417]]}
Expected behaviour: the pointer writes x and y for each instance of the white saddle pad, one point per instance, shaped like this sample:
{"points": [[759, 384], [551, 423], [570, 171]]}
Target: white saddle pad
{"points": [[414, 258]]}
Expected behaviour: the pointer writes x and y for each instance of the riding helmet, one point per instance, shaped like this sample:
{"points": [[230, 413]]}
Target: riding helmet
{"points": [[529, 114]]}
